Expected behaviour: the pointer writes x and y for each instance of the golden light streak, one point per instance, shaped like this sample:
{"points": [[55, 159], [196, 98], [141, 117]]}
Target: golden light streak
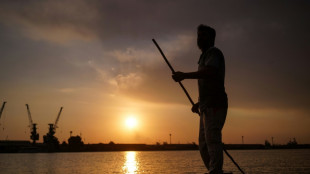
{"points": [[131, 164]]}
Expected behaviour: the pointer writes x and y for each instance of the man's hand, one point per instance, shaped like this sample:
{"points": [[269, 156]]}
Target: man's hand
{"points": [[178, 76], [195, 108]]}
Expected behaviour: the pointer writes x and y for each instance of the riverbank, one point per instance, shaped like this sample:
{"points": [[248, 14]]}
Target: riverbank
{"points": [[27, 147]]}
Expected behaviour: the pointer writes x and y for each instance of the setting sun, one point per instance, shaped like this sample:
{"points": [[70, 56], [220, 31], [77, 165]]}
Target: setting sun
{"points": [[131, 122]]}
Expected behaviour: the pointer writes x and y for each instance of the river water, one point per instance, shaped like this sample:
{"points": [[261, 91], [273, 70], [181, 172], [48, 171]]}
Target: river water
{"points": [[251, 161]]}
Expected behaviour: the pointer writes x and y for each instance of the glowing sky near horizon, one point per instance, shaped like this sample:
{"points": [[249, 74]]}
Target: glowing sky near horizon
{"points": [[96, 59]]}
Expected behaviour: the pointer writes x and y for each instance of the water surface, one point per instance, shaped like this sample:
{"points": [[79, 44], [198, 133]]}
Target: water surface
{"points": [[251, 161]]}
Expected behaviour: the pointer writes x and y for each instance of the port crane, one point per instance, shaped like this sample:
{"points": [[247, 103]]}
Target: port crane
{"points": [[2, 108], [49, 137], [33, 127]]}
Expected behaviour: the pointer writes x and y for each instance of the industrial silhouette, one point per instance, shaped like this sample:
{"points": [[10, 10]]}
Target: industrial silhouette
{"points": [[33, 127]]}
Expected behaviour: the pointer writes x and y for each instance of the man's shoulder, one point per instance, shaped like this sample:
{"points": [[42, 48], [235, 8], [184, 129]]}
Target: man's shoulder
{"points": [[211, 53], [214, 50]]}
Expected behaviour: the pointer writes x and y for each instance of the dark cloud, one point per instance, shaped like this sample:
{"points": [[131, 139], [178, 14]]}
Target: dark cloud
{"points": [[266, 43]]}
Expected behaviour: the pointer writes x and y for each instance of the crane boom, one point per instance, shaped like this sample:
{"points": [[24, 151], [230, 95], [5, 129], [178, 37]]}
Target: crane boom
{"points": [[29, 115], [2, 108], [55, 125], [33, 127]]}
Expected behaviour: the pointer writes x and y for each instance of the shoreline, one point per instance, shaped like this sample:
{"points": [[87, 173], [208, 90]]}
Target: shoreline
{"points": [[27, 147]]}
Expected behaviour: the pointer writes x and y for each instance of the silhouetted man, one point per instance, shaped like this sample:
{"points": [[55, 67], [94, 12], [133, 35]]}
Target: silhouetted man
{"points": [[212, 99]]}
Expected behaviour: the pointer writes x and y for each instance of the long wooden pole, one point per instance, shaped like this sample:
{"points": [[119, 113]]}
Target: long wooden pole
{"points": [[233, 160], [171, 68]]}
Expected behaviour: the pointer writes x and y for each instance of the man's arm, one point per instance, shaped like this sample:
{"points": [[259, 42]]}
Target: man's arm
{"points": [[208, 71]]}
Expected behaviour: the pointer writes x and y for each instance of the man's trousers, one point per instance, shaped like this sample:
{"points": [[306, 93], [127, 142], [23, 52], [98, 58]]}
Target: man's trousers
{"points": [[210, 138]]}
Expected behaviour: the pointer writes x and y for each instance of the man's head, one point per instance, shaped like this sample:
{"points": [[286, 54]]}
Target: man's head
{"points": [[206, 37]]}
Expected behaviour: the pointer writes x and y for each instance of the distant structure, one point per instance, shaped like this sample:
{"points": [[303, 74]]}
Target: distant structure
{"points": [[33, 127], [2, 108], [292, 142], [49, 138], [267, 144], [170, 137], [272, 141], [75, 141]]}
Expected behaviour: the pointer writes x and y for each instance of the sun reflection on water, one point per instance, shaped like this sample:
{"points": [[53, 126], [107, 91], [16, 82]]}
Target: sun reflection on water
{"points": [[130, 165]]}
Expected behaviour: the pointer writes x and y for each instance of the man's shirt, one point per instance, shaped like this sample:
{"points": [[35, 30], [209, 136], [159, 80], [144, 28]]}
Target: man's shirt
{"points": [[211, 89]]}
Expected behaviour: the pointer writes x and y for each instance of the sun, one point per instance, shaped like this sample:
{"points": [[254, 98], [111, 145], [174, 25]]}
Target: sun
{"points": [[131, 122]]}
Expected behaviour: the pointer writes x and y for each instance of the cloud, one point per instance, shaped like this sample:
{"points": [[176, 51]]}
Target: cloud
{"points": [[130, 80], [64, 21], [266, 53], [132, 55], [102, 73], [54, 21], [144, 75]]}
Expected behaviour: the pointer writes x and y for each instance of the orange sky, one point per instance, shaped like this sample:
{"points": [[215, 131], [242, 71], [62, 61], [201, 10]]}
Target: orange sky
{"points": [[97, 60]]}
